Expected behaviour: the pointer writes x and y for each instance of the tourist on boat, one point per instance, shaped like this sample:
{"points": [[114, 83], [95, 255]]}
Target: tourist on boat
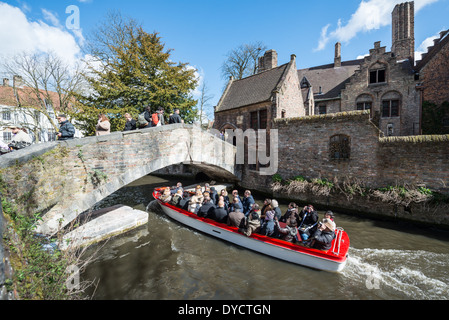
{"points": [[329, 215], [308, 222], [214, 195], [236, 219], [219, 213], [176, 198], [236, 205], [224, 194], [290, 232], [175, 189], [268, 228], [266, 207], [207, 206], [252, 221], [196, 201], [277, 210], [166, 195], [247, 202], [292, 212], [323, 236], [235, 193]]}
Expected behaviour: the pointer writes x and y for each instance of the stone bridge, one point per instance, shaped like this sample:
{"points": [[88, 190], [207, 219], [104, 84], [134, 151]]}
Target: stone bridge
{"points": [[64, 179]]}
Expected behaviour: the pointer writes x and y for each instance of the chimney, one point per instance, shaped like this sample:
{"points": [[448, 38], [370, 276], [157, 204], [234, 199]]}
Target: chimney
{"points": [[268, 61], [17, 81], [403, 28], [337, 59], [5, 82]]}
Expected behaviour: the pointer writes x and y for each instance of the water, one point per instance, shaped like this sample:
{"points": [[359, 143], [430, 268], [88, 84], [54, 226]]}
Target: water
{"points": [[166, 260]]}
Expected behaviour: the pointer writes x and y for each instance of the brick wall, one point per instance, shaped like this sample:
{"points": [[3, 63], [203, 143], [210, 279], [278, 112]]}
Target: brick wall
{"points": [[304, 145], [435, 77]]}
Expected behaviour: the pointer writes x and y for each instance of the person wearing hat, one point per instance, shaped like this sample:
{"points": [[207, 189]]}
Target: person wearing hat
{"points": [[268, 226], [66, 129], [20, 138], [324, 235]]}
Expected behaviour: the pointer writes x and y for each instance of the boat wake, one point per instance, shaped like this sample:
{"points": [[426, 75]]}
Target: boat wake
{"points": [[392, 274]]}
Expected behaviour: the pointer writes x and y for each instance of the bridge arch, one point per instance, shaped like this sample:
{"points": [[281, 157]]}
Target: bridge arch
{"points": [[93, 168]]}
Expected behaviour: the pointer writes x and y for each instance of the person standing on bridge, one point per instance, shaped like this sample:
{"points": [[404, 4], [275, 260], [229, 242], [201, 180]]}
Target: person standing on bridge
{"points": [[103, 126], [66, 129], [131, 124], [175, 117]]}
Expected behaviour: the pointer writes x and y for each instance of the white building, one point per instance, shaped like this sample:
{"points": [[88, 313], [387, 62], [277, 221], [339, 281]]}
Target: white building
{"points": [[29, 115]]}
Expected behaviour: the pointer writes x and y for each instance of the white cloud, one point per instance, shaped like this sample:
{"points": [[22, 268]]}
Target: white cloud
{"points": [[370, 15], [424, 45], [31, 37]]}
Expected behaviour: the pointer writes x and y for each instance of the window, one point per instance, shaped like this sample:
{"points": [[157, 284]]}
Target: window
{"points": [[259, 119], [377, 76], [340, 147], [364, 106], [364, 102], [446, 121], [390, 108], [6, 115], [7, 137], [322, 110]]}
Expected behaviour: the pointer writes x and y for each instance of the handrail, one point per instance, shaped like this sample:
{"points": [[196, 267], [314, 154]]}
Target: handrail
{"points": [[339, 237]]}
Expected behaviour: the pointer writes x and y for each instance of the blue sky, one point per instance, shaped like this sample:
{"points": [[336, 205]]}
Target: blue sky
{"points": [[202, 32]]}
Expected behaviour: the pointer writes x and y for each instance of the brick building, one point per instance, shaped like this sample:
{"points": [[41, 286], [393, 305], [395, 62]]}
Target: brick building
{"points": [[385, 82], [254, 102], [433, 72]]}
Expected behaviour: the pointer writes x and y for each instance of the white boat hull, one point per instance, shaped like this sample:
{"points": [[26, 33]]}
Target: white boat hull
{"points": [[276, 251]]}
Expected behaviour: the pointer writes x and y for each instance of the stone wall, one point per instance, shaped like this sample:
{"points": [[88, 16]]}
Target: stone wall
{"points": [[378, 162], [74, 175]]}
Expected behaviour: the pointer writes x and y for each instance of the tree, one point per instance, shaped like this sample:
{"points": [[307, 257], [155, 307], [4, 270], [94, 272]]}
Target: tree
{"points": [[129, 71], [243, 61], [203, 103], [44, 84]]}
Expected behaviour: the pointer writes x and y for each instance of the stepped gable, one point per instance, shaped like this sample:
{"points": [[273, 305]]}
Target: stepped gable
{"points": [[433, 50]]}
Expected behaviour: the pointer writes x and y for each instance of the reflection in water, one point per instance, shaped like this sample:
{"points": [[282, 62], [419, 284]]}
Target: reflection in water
{"points": [[166, 260]]}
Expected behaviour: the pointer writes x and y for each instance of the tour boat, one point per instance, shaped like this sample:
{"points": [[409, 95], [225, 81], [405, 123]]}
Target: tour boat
{"points": [[333, 260]]}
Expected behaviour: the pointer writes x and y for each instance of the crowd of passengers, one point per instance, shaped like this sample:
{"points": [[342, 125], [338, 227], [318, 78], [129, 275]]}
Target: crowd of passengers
{"points": [[296, 226]]}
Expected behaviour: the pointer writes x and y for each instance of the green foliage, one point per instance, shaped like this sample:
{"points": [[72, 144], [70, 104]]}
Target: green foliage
{"points": [[323, 183], [138, 73], [432, 118], [38, 274], [277, 178]]}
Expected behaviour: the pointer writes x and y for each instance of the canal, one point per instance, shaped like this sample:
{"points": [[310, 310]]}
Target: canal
{"points": [[165, 260]]}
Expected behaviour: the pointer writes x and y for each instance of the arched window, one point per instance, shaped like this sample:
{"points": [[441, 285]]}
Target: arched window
{"points": [[391, 104], [364, 102], [340, 147]]}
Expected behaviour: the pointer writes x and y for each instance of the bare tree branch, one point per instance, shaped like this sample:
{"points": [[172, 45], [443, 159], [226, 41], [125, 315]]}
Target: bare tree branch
{"points": [[242, 61]]}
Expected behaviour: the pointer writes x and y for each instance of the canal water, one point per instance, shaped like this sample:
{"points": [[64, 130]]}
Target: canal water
{"points": [[165, 260]]}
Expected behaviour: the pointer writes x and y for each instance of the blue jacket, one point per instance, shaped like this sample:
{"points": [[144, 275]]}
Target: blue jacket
{"points": [[247, 203]]}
